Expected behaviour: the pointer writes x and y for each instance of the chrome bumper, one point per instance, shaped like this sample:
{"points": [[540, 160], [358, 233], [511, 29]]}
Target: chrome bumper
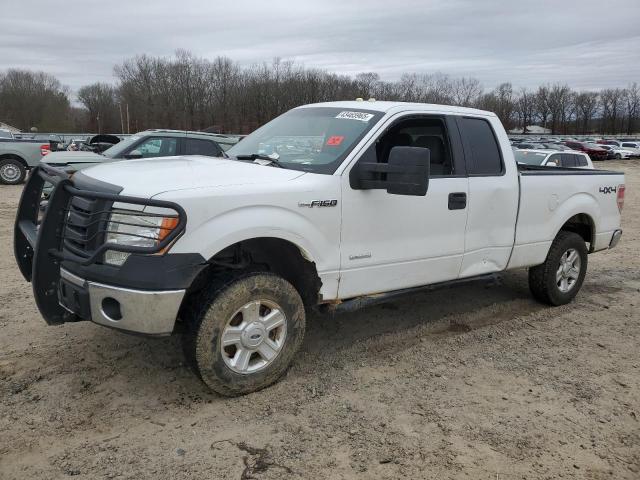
{"points": [[139, 311], [615, 238]]}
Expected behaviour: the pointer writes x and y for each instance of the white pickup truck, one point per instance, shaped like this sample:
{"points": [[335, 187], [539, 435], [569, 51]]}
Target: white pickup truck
{"points": [[331, 206]]}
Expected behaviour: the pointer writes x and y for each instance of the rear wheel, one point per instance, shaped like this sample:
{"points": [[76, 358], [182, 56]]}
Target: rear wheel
{"points": [[12, 171], [558, 280], [244, 335]]}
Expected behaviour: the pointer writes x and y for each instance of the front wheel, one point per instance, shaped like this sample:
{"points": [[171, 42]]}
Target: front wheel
{"points": [[618, 156], [244, 335], [12, 172], [558, 280]]}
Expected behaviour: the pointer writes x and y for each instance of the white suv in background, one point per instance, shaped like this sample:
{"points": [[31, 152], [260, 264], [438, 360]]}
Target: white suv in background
{"points": [[631, 147], [553, 158]]}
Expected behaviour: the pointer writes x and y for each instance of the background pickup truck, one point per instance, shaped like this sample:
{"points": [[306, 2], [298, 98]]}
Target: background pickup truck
{"points": [[17, 156], [330, 206], [147, 144]]}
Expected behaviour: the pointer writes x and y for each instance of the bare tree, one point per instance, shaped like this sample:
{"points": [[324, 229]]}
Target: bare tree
{"points": [[34, 99], [559, 102], [501, 102], [100, 101], [525, 108], [632, 100], [542, 105], [612, 107], [465, 91], [586, 107], [188, 92]]}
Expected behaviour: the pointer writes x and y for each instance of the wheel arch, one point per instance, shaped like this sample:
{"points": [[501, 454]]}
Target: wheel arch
{"points": [[13, 156], [265, 253], [582, 224]]}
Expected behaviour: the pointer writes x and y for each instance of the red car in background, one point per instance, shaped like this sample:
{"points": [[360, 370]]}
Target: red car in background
{"points": [[595, 153], [609, 142]]}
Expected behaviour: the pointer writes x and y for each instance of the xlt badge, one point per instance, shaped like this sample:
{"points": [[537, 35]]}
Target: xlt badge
{"points": [[319, 203]]}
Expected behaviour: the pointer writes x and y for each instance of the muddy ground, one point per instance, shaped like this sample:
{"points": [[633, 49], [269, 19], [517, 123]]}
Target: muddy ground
{"points": [[475, 382]]}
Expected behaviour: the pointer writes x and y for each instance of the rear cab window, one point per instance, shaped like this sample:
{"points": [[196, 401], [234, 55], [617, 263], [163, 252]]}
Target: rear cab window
{"points": [[482, 152]]}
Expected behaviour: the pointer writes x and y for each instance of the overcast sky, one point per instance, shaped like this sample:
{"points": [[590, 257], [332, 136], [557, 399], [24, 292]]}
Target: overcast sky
{"points": [[588, 44]]}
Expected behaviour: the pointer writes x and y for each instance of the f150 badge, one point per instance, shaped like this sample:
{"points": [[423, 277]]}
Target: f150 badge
{"points": [[319, 203], [606, 190]]}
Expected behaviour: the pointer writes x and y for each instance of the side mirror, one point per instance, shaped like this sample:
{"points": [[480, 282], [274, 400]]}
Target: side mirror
{"points": [[133, 154], [406, 173]]}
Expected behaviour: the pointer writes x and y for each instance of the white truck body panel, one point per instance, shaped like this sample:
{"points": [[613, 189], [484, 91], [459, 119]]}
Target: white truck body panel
{"points": [[375, 241]]}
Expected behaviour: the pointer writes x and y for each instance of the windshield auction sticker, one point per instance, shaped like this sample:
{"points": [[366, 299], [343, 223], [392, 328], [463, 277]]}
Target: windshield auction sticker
{"points": [[361, 116]]}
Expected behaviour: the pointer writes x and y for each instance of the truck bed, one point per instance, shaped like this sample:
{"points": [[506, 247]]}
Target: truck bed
{"points": [[551, 196]]}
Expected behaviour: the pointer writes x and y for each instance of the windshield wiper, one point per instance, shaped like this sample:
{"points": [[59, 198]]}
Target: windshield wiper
{"points": [[260, 156]]}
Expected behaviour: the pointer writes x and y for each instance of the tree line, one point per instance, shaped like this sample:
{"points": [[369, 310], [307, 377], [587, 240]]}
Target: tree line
{"points": [[188, 92]]}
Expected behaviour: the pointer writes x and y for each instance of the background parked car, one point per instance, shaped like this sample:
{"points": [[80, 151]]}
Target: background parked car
{"points": [[625, 152], [635, 145], [608, 142], [594, 152], [17, 156], [551, 158], [147, 144], [606, 148]]}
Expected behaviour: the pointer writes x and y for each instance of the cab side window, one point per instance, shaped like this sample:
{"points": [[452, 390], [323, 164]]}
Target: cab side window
{"points": [[422, 133], [480, 147]]}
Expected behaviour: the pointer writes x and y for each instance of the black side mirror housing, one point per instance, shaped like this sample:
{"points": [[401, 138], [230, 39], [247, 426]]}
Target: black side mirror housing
{"points": [[406, 173], [133, 154]]}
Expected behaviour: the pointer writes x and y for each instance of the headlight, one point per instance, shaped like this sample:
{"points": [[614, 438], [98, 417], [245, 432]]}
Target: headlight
{"points": [[136, 229]]}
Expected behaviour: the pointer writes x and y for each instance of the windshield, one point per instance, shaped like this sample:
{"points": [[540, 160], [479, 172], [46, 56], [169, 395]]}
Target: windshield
{"points": [[530, 158], [314, 139], [118, 148]]}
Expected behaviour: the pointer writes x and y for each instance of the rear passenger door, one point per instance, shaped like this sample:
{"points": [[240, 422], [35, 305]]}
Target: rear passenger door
{"points": [[493, 198]]}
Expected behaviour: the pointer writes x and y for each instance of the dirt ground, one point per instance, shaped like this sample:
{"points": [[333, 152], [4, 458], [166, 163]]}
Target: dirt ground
{"points": [[475, 382]]}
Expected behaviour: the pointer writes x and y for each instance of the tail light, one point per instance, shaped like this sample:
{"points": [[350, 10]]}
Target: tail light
{"points": [[620, 197], [45, 149]]}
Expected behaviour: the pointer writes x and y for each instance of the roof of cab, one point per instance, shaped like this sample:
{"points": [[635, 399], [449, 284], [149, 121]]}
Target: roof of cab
{"points": [[392, 107]]}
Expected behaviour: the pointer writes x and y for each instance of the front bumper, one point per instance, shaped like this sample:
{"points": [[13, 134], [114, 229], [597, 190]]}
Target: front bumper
{"points": [[138, 311], [142, 296]]}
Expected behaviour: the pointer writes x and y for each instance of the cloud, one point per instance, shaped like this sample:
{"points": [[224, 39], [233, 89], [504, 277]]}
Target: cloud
{"points": [[581, 42]]}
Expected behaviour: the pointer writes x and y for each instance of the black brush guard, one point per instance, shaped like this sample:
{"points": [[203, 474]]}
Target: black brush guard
{"points": [[38, 243]]}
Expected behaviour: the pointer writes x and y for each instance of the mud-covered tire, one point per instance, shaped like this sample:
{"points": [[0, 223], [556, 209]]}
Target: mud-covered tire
{"points": [[12, 172], [543, 281], [210, 316]]}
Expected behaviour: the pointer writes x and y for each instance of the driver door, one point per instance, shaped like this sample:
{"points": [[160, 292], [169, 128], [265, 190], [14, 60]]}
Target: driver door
{"points": [[390, 242]]}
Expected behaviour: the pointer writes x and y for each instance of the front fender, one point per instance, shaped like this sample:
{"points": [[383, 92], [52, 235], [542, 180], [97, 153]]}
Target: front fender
{"points": [[316, 242]]}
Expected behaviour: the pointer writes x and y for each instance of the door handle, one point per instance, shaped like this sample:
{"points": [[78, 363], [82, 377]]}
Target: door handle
{"points": [[457, 201]]}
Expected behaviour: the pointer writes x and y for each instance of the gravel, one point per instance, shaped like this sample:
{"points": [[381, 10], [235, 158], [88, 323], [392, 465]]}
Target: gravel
{"points": [[476, 382]]}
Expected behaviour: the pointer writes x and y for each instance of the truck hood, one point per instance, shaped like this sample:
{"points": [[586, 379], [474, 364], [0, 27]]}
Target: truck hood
{"points": [[66, 158], [149, 177]]}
